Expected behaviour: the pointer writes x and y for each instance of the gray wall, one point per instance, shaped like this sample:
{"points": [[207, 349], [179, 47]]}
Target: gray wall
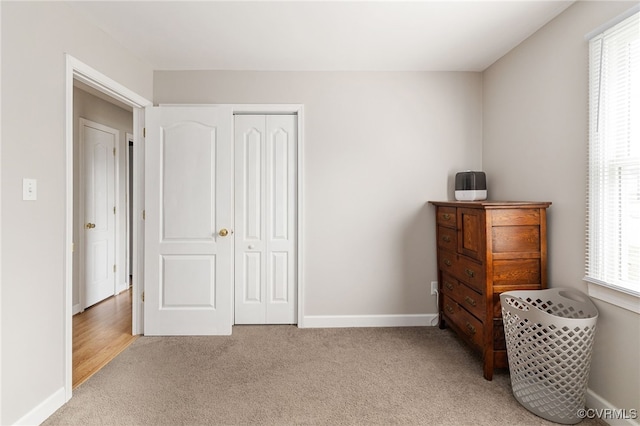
{"points": [[378, 146], [535, 147], [92, 108], [35, 37]]}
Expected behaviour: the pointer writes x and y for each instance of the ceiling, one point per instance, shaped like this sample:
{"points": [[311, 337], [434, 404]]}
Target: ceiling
{"points": [[320, 35]]}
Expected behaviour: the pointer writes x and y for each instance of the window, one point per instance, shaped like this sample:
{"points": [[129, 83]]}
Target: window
{"points": [[613, 193]]}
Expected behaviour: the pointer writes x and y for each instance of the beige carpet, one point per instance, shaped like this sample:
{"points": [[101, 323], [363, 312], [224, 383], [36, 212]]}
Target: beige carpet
{"points": [[282, 375]]}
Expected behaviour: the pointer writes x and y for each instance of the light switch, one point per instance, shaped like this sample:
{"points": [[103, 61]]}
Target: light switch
{"points": [[29, 189]]}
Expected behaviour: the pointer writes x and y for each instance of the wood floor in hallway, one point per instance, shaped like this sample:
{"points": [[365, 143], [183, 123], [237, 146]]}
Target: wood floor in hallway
{"points": [[100, 333]]}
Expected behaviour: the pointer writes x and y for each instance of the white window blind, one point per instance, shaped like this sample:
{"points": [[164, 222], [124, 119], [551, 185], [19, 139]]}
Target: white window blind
{"points": [[613, 193]]}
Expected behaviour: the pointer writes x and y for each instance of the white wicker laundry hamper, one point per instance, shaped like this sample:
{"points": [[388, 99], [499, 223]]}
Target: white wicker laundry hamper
{"points": [[549, 336]]}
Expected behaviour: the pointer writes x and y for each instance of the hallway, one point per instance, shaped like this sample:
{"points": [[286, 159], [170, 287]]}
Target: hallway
{"points": [[100, 333]]}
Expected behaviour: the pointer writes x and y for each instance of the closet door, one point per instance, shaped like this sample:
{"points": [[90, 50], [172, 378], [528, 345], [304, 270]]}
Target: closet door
{"points": [[265, 238]]}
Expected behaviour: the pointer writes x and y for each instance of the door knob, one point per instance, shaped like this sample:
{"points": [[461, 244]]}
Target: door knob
{"points": [[223, 232], [90, 225]]}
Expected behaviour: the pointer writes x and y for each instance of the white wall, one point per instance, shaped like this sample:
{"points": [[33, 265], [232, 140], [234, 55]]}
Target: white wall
{"points": [[35, 37], [100, 111], [378, 146], [535, 147]]}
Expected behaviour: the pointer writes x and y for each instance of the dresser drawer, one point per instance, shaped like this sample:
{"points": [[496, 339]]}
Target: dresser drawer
{"points": [[471, 300], [468, 325], [446, 216], [447, 238], [462, 269]]}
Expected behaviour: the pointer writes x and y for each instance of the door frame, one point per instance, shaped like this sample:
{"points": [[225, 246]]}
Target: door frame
{"points": [[285, 109], [77, 70], [128, 178], [82, 288]]}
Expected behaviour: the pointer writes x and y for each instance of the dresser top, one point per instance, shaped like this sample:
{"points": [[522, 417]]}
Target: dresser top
{"points": [[489, 204]]}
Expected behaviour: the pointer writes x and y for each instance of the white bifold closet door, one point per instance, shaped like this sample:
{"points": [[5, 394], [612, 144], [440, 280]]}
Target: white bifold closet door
{"points": [[265, 224]]}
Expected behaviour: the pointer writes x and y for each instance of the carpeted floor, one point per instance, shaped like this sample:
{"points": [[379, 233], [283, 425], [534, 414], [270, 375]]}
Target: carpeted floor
{"points": [[282, 375]]}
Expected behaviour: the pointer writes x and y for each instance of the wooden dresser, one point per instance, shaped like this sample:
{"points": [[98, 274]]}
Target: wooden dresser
{"points": [[484, 249]]}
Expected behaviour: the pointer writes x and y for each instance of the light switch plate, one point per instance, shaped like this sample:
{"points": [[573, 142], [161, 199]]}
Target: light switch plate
{"points": [[29, 189]]}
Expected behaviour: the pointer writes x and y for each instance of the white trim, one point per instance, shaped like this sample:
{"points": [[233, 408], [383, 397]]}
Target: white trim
{"points": [[343, 321], [617, 297], [75, 69], [43, 410], [301, 217], [596, 402], [1, 399], [604, 27], [94, 78], [137, 227], [76, 309], [68, 230], [128, 138]]}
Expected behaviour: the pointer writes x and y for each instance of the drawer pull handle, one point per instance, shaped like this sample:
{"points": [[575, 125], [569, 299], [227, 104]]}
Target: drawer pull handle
{"points": [[448, 285], [449, 309], [470, 301], [446, 216], [471, 328], [470, 273], [447, 262], [446, 239]]}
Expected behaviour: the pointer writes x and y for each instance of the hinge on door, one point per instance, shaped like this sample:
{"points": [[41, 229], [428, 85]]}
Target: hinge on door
{"points": [[114, 268], [114, 209], [144, 132], [144, 214], [114, 152], [143, 296]]}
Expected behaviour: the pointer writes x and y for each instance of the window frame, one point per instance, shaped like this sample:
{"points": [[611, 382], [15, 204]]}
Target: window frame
{"points": [[625, 298]]}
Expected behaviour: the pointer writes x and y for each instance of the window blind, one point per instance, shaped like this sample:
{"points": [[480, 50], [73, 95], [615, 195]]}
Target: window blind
{"points": [[613, 191]]}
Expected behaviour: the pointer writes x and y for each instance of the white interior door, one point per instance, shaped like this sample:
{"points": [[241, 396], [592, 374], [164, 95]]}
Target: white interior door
{"points": [[98, 144], [188, 204], [265, 219]]}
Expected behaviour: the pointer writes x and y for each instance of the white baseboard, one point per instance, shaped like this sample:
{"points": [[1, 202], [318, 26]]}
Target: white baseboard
{"points": [[343, 321], [45, 409], [76, 309], [605, 411]]}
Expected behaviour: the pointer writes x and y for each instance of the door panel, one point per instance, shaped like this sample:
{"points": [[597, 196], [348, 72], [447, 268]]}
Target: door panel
{"points": [[253, 184], [185, 281], [280, 277], [279, 169], [265, 241], [188, 181], [98, 194], [188, 261]]}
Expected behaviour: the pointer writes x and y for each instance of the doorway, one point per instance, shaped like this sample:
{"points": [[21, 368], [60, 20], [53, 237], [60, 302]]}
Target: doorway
{"points": [[78, 72], [101, 285]]}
